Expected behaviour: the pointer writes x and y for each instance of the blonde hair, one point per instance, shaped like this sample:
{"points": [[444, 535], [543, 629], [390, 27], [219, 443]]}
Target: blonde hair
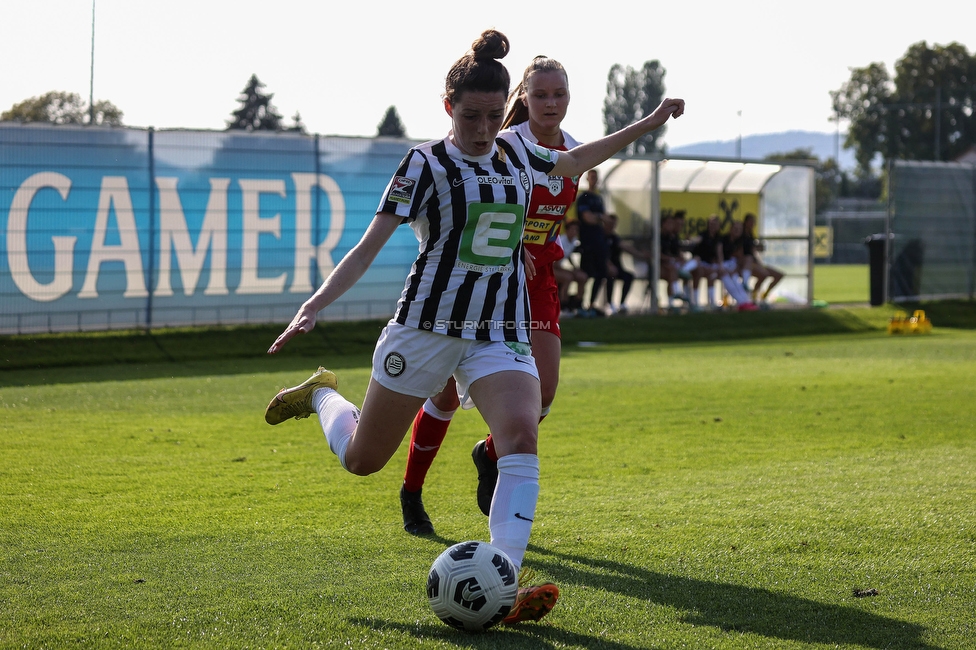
{"points": [[518, 111]]}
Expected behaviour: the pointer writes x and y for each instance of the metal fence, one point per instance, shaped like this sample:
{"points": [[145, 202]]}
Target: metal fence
{"points": [[108, 228], [931, 231]]}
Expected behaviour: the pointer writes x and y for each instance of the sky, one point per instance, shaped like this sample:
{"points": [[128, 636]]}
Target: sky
{"points": [[743, 68]]}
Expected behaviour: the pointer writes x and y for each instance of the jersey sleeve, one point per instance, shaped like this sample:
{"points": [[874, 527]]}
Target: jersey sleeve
{"points": [[409, 188], [539, 159]]}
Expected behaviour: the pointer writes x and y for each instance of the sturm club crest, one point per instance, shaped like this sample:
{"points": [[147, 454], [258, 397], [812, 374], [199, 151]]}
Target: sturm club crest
{"points": [[524, 178], [555, 185], [394, 364]]}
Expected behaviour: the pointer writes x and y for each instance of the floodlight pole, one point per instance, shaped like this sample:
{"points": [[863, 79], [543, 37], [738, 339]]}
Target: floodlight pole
{"points": [[738, 142], [91, 78], [837, 138]]}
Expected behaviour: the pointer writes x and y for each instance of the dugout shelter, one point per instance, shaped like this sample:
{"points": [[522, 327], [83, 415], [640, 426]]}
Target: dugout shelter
{"points": [[781, 195]]}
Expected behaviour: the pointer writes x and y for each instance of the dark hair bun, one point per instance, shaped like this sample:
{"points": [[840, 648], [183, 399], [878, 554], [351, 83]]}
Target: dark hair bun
{"points": [[492, 44]]}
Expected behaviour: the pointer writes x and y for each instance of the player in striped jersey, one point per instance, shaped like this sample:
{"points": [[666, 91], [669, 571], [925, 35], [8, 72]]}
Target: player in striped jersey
{"points": [[464, 307], [537, 108]]}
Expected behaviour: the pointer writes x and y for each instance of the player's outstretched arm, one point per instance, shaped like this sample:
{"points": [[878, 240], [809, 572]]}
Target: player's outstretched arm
{"points": [[585, 157], [343, 277]]}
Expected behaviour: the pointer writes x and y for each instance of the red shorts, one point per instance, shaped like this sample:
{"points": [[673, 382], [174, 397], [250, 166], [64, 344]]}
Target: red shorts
{"points": [[544, 300]]}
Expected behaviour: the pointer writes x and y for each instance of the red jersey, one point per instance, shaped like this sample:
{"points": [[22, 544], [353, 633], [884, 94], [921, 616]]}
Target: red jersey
{"points": [[547, 207]]}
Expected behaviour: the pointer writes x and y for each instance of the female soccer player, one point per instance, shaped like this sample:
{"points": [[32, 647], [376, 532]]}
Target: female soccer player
{"points": [[754, 263], [464, 308], [537, 108]]}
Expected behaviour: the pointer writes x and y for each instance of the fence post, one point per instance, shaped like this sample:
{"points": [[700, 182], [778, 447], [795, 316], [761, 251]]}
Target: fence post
{"points": [[972, 258], [152, 226], [316, 215], [885, 288]]}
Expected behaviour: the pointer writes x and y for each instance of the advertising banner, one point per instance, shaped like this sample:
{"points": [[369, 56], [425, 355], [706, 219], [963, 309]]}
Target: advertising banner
{"points": [[106, 228]]}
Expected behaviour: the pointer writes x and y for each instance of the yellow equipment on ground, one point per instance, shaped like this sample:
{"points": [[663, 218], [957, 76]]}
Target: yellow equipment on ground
{"points": [[900, 323]]}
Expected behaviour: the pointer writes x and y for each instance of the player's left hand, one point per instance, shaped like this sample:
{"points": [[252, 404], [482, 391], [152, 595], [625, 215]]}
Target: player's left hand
{"points": [[529, 260]]}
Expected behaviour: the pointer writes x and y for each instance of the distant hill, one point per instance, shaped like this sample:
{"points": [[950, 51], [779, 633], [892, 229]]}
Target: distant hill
{"points": [[822, 145]]}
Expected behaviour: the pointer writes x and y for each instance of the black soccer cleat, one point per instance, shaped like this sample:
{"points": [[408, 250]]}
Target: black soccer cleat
{"points": [[487, 475], [415, 519]]}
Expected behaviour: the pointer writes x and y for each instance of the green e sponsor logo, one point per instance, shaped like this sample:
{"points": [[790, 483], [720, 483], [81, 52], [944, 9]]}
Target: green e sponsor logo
{"points": [[492, 232]]}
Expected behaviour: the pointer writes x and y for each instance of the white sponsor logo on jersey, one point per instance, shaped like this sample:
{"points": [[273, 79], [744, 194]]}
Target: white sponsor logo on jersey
{"points": [[495, 180], [551, 209]]}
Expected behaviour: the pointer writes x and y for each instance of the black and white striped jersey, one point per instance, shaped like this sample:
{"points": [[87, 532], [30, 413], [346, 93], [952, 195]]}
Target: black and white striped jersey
{"points": [[468, 213]]}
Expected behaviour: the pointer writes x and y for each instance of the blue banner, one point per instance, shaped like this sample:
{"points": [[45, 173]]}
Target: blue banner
{"points": [[104, 228]]}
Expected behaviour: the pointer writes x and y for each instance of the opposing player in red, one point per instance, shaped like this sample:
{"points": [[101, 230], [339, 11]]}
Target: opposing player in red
{"points": [[537, 108]]}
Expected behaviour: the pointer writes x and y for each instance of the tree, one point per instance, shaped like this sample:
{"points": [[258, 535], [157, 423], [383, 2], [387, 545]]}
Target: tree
{"points": [[632, 94], [59, 107], [297, 125], [391, 125], [256, 112], [925, 113]]}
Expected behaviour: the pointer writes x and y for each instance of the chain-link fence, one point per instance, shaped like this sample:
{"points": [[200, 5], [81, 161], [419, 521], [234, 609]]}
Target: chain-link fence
{"points": [[931, 231]]}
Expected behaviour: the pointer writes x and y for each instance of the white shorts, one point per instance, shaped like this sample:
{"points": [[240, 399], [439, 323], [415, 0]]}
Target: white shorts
{"points": [[419, 363]]}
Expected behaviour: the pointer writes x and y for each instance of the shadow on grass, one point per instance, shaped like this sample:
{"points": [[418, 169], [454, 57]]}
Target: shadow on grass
{"points": [[41, 359], [299, 369], [735, 608], [330, 339], [529, 635], [184, 346]]}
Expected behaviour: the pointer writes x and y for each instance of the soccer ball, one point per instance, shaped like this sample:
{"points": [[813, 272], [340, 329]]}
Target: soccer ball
{"points": [[472, 585]]}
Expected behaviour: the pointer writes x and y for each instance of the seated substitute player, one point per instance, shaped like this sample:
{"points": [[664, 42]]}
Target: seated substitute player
{"points": [[566, 271], [672, 259], [706, 255], [733, 266], [751, 247], [616, 247]]}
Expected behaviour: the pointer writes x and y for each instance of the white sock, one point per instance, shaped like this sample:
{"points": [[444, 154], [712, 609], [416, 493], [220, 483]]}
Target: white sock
{"points": [[735, 289], [339, 419], [513, 505], [746, 274], [711, 294], [435, 412]]}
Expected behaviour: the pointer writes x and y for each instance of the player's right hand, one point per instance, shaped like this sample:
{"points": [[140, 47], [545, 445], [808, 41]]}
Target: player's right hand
{"points": [[302, 323]]}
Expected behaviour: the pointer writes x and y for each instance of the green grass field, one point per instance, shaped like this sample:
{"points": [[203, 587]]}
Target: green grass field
{"points": [[841, 283], [713, 481]]}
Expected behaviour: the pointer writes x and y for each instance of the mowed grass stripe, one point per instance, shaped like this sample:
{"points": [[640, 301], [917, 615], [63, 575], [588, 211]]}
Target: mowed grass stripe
{"points": [[713, 495]]}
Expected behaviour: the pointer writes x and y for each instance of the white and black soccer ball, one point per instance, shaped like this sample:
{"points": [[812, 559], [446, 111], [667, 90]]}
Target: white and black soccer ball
{"points": [[472, 585]]}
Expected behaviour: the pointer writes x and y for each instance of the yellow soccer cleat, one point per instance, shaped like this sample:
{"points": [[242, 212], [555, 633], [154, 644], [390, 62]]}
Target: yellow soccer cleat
{"points": [[297, 402], [532, 602]]}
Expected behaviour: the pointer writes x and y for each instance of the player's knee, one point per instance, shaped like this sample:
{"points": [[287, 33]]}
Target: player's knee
{"points": [[525, 441], [362, 466], [548, 395]]}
